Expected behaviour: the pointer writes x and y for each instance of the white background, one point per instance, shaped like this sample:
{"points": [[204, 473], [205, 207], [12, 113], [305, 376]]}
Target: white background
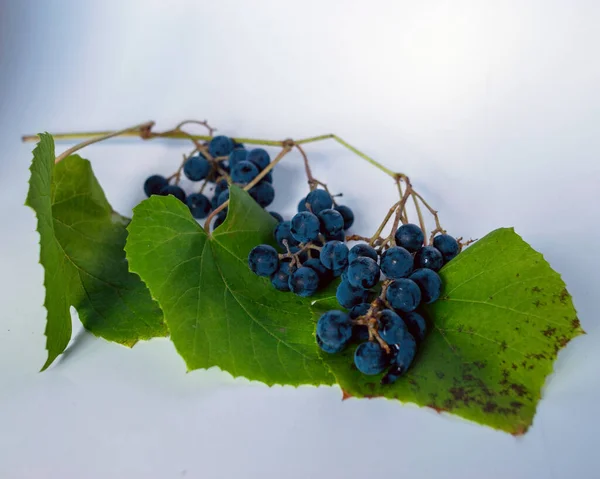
{"points": [[493, 109]]}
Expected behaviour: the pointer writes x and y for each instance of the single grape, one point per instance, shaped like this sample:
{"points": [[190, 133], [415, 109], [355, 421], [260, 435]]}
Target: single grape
{"points": [[219, 220], [416, 324], [429, 282], [280, 278], [359, 310], [348, 296], [319, 200], [362, 249], [403, 294], [244, 172], [196, 168], [370, 358], [446, 245], [396, 262], [220, 146], [391, 327], [174, 190], [334, 255], [404, 355], [154, 184], [221, 186], [263, 193], [363, 273], [302, 205], [199, 205], [268, 177], [410, 237], [277, 216], [331, 222], [259, 157], [429, 257], [347, 214], [305, 227], [325, 275], [304, 282], [282, 233], [263, 260], [334, 330], [223, 197], [214, 202], [237, 155]]}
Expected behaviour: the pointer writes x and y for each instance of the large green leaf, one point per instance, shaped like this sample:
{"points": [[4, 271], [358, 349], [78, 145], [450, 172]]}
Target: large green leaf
{"points": [[81, 250], [219, 313], [503, 316]]}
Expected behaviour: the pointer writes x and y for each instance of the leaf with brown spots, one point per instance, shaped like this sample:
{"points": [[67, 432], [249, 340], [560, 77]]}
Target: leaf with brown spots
{"points": [[472, 362]]}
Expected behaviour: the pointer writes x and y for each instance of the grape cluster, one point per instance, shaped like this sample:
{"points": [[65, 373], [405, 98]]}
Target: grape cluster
{"points": [[223, 159]]}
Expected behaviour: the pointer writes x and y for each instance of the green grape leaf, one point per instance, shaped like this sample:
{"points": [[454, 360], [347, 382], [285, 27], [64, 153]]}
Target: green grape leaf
{"points": [[502, 318], [220, 313], [81, 250]]}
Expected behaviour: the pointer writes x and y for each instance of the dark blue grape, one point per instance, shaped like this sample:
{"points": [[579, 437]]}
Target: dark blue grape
{"points": [[302, 205], [214, 202], [429, 257], [277, 216], [268, 177], [281, 277], [223, 197], [396, 262], [362, 249], [154, 185], [339, 272], [259, 157], [363, 273], [305, 227], [334, 255], [237, 145], [429, 283], [348, 296], [403, 294], [196, 168], [237, 155], [416, 324], [370, 358], [334, 330], [404, 355], [347, 214], [263, 260], [219, 220], [174, 190], [220, 146], [446, 245], [304, 282], [221, 186], [244, 172], [331, 222], [199, 205], [410, 237], [325, 275], [263, 193], [391, 327], [282, 233], [359, 310], [319, 200]]}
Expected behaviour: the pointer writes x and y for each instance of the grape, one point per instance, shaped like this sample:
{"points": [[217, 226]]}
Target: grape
{"points": [[244, 172], [340, 236], [280, 278], [277, 216], [429, 257], [303, 282], [268, 177], [220, 146], [334, 330], [392, 329], [174, 190], [396, 262], [319, 200], [237, 155], [339, 272], [154, 184], [403, 358], [219, 220], [259, 157], [196, 168], [362, 249], [410, 237], [446, 245], [416, 325], [347, 214], [223, 197], [328, 348], [237, 145], [199, 205], [348, 296], [302, 205], [370, 358], [305, 227], [214, 202], [282, 232], [363, 273], [221, 186], [359, 310], [403, 294], [331, 222], [263, 193], [334, 255], [325, 275], [263, 260], [429, 282]]}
